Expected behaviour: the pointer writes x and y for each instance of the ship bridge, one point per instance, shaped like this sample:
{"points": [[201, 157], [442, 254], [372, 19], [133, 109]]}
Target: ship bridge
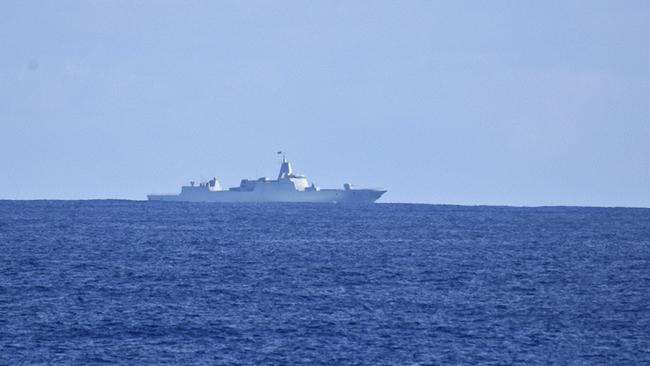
{"points": [[286, 173]]}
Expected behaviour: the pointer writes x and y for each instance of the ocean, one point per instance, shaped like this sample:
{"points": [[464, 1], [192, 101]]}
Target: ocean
{"points": [[146, 283]]}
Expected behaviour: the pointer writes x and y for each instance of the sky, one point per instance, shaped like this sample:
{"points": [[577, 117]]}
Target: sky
{"points": [[523, 103]]}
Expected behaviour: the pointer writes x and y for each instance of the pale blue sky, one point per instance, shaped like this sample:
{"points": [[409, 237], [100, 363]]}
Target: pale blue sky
{"points": [[462, 102]]}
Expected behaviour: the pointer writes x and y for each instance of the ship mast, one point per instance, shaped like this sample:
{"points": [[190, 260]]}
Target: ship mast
{"points": [[285, 167]]}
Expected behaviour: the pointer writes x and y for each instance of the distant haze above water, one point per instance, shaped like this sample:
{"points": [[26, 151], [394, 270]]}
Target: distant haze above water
{"points": [[507, 103]]}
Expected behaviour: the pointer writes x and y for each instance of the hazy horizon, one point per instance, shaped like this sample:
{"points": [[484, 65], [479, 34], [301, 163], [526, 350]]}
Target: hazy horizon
{"points": [[500, 103]]}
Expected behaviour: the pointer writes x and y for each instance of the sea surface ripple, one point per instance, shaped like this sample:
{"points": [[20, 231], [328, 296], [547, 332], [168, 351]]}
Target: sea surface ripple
{"points": [[121, 282]]}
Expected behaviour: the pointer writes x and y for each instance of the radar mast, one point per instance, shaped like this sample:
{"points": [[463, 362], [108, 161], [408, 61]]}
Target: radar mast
{"points": [[285, 168]]}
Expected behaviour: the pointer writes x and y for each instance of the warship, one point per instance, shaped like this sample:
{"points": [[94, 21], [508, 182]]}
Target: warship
{"points": [[288, 187]]}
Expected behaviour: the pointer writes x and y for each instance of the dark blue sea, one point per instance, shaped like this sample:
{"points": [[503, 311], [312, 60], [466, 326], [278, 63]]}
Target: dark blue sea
{"points": [[143, 283]]}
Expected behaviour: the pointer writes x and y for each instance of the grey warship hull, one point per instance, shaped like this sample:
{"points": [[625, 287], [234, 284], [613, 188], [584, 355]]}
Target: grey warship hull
{"points": [[288, 187], [353, 196]]}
